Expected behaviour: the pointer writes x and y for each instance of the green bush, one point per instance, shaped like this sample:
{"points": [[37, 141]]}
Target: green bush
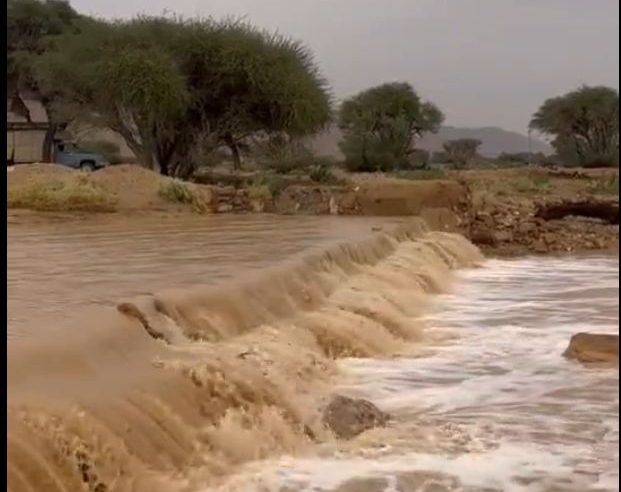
{"points": [[283, 156], [177, 191], [420, 174], [323, 173]]}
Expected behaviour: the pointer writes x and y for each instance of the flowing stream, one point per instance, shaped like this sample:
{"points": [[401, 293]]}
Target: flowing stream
{"points": [[253, 322]]}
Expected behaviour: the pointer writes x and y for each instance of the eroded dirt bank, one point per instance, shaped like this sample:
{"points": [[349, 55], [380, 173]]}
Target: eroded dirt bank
{"points": [[502, 211]]}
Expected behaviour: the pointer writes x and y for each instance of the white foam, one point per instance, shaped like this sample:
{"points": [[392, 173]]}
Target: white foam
{"points": [[502, 379]]}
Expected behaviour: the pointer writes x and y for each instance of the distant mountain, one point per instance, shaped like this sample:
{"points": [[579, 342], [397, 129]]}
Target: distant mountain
{"points": [[494, 141]]}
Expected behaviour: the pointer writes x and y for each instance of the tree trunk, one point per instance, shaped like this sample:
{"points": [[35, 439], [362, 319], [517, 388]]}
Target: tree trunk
{"points": [[164, 169], [48, 143], [606, 211], [231, 144]]}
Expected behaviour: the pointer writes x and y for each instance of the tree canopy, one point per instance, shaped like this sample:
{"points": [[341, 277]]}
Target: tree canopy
{"points": [[461, 151], [164, 84], [584, 124], [29, 24], [380, 124]]}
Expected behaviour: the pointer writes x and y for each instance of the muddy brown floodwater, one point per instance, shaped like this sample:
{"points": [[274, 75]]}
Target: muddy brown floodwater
{"points": [[56, 268], [254, 321]]}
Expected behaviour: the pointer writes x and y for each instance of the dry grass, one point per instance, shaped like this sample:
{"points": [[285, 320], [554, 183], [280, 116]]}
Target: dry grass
{"points": [[74, 194], [605, 185], [177, 191], [531, 185], [50, 187]]}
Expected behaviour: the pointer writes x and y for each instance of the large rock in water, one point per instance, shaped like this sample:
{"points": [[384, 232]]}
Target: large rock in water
{"points": [[593, 347], [348, 417]]}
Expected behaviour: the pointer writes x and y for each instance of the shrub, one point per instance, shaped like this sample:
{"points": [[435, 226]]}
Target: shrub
{"points": [[605, 185], [283, 156], [76, 195], [177, 191], [322, 173], [532, 184], [421, 174]]}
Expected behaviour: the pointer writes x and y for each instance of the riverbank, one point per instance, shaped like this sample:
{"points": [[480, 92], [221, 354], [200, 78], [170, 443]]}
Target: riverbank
{"points": [[499, 210]]}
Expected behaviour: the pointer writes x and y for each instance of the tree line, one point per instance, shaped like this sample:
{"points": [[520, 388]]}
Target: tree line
{"points": [[175, 88]]}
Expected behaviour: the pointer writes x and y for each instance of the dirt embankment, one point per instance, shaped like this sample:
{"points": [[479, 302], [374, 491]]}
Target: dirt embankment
{"points": [[502, 211], [509, 210], [123, 188]]}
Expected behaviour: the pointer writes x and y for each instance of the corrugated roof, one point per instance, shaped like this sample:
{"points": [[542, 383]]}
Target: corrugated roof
{"points": [[36, 112], [12, 117]]}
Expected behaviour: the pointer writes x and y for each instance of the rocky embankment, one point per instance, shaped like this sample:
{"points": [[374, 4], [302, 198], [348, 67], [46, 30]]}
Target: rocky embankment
{"points": [[512, 228], [535, 213]]}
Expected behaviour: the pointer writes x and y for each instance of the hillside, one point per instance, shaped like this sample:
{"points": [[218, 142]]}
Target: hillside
{"points": [[494, 141]]}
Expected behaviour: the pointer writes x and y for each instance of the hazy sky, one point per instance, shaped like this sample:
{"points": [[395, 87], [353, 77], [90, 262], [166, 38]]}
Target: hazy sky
{"points": [[484, 62]]}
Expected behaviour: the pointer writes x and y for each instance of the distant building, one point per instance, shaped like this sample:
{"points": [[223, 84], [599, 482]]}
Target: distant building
{"points": [[27, 125]]}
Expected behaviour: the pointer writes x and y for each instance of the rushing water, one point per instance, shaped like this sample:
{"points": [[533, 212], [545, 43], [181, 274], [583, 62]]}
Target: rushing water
{"points": [[503, 410], [55, 268], [483, 402]]}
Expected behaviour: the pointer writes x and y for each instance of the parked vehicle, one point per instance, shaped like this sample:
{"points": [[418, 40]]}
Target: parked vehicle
{"points": [[25, 146], [70, 155]]}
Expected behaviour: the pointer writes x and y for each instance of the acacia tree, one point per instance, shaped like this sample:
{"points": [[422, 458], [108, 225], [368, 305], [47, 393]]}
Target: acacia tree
{"points": [[461, 151], [164, 84], [380, 124], [29, 25], [584, 124]]}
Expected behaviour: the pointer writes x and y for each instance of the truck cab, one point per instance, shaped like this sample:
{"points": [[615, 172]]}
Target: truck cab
{"points": [[70, 155]]}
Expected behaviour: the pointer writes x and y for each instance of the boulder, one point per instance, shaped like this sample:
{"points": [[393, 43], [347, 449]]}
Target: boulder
{"points": [[482, 236], [348, 417], [593, 347]]}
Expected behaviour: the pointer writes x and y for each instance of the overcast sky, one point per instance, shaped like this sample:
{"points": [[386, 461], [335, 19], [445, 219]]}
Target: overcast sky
{"points": [[484, 62]]}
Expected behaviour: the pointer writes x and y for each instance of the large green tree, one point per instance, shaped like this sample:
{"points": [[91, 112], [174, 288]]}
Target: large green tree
{"points": [[30, 23], [584, 125], [165, 84], [381, 124]]}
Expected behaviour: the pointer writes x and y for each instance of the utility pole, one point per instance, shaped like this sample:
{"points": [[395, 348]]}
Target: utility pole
{"points": [[530, 147]]}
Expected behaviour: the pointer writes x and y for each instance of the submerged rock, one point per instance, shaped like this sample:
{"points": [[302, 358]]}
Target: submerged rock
{"points": [[593, 347], [348, 417]]}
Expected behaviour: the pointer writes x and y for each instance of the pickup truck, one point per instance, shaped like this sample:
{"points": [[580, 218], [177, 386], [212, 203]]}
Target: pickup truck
{"points": [[70, 155], [25, 147]]}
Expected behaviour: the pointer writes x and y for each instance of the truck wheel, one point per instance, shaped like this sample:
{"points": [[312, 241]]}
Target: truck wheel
{"points": [[87, 167]]}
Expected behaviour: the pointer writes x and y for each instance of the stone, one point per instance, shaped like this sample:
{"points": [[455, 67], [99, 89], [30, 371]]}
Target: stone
{"points": [[225, 208], [593, 347], [549, 238], [539, 247], [527, 227], [483, 236], [486, 219], [503, 236], [348, 417]]}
